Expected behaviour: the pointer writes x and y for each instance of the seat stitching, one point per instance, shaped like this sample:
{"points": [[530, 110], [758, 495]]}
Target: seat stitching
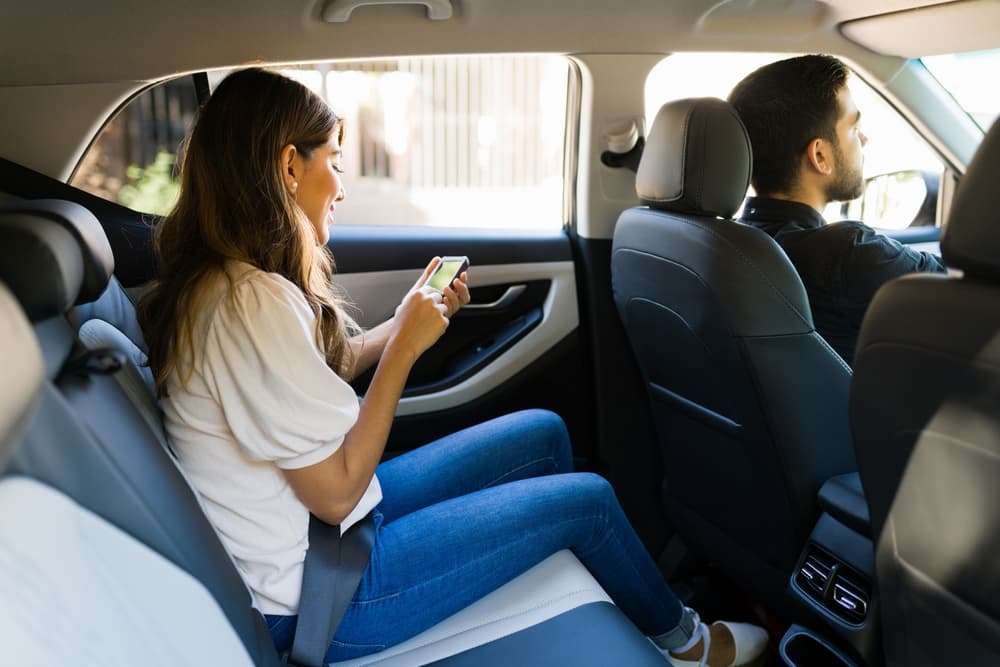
{"points": [[742, 255]]}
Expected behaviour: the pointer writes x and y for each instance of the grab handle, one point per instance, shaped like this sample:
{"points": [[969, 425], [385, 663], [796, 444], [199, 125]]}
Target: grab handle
{"points": [[339, 11]]}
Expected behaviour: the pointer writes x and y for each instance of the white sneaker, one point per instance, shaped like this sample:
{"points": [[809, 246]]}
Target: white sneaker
{"points": [[750, 641]]}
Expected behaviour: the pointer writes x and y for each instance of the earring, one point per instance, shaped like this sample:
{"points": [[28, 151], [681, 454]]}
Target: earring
{"points": [[295, 186]]}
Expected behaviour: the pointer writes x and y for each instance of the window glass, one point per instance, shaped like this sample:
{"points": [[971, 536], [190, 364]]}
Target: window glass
{"points": [[893, 146], [901, 170], [132, 161], [971, 80], [684, 75], [472, 141]]}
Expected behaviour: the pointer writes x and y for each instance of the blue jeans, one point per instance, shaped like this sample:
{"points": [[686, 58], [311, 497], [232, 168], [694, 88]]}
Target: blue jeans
{"points": [[467, 513]]}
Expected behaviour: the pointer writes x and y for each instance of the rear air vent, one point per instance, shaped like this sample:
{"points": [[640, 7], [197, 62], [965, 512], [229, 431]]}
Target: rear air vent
{"points": [[814, 575], [834, 585], [850, 597]]}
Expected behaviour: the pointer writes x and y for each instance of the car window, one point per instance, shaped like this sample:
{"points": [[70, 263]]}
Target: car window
{"points": [[969, 78], [472, 141], [133, 159], [901, 170]]}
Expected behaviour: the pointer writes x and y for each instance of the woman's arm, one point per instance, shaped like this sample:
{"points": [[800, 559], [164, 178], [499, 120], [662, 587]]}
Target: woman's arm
{"points": [[332, 488], [369, 345]]}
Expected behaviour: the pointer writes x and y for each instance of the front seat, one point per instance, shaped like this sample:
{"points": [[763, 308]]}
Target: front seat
{"points": [[925, 408], [749, 402]]}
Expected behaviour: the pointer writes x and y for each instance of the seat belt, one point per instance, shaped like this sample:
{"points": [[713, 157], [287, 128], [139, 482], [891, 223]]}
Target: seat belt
{"points": [[333, 569]]}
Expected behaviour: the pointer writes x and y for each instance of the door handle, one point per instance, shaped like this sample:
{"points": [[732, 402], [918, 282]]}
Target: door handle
{"points": [[506, 299]]}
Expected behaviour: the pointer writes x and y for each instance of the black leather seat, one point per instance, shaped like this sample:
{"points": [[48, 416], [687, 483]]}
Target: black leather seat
{"points": [[925, 408], [749, 402]]}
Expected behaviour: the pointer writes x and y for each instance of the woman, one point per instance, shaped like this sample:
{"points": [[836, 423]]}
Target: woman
{"points": [[252, 352]]}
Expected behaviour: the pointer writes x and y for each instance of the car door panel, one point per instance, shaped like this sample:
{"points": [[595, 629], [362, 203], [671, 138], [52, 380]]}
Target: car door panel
{"points": [[481, 348], [499, 353]]}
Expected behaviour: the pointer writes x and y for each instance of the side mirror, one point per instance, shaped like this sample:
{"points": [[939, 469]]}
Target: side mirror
{"points": [[899, 200]]}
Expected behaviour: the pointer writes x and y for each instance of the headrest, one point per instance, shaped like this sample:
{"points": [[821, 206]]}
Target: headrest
{"points": [[697, 159], [23, 369], [971, 238], [53, 254]]}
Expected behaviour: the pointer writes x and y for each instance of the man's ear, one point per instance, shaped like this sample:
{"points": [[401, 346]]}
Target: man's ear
{"points": [[289, 163], [819, 156]]}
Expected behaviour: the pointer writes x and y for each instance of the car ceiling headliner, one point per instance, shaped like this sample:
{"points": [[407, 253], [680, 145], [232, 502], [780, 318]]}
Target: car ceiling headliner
{"points": [[68, 41]]}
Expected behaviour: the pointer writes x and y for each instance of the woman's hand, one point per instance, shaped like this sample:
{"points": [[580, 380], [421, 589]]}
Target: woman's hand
{"points": [[419, 321], [423, 315], [455, 296]]}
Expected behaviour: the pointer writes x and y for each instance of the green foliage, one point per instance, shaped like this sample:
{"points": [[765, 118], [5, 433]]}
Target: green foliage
{"points": [[153, 189]]}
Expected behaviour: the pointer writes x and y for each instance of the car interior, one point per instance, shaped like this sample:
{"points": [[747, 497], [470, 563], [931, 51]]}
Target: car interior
{"points": [[582, 156]]}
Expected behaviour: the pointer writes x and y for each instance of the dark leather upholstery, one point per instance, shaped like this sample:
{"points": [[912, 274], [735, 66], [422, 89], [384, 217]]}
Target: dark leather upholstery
{"points": [[749, 402], [92, 242], [593, 634], [925, 409], [973, 242], [25, 246], [843, 498]]}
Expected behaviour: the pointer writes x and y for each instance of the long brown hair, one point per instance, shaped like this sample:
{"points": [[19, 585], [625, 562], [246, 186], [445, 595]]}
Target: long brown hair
{"points": [[233, 204]]}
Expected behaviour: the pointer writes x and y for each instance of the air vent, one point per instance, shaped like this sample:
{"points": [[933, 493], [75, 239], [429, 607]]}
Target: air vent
{"points": [[814, 575], [850, 598], [834, 585]]}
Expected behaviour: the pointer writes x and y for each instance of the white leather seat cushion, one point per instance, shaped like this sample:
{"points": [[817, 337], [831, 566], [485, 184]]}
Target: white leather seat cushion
{"points": [[556, 585], [75, 590]]}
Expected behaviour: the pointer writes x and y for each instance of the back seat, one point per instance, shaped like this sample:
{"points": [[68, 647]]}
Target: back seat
{"points": [[75, 589], [97, 438]]}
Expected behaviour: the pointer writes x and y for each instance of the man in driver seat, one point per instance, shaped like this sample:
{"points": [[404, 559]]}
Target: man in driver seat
{"points": [[807, 147]]}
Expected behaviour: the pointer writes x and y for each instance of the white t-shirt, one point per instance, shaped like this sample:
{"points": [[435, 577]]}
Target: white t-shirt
{"points": [[260, 398]]}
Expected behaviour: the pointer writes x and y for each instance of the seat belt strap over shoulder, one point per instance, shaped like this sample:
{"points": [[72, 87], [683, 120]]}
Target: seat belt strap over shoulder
{"points": [[333, 569]]}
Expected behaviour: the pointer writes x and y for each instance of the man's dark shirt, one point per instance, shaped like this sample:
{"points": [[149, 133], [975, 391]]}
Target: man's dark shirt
{"points": [[842, 264]]}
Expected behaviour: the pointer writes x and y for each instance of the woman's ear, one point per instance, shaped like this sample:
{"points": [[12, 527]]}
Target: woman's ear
{"points": [[819, 154], [289, 159]]}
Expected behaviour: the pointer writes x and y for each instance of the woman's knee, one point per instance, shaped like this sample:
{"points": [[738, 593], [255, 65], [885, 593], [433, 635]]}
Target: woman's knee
{"points": [[593, 487], [592, 497], [551, 430]]}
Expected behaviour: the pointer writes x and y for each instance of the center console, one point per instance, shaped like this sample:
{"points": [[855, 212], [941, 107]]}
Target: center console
{"points": [[833, 581]]}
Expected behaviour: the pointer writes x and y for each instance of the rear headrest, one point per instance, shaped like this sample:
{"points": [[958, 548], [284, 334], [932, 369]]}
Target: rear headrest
{"points": [[971, 239], [53, 254], [697, 159], [23, 372]]}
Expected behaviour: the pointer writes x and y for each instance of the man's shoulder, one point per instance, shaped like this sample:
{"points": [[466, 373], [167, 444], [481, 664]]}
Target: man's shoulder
{"points": [[852, 225], [849, 229]]}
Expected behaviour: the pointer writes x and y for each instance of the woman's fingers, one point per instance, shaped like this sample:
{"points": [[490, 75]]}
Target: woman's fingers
{"points": [[461, 287], [457, 294], [421, 319], [427, 272]]}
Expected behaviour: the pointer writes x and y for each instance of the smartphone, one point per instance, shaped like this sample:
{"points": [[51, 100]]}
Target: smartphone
{"points": [[446, 272]]}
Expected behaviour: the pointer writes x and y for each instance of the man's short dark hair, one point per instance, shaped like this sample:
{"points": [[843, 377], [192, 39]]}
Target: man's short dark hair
{"points": [[784, 106]]}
